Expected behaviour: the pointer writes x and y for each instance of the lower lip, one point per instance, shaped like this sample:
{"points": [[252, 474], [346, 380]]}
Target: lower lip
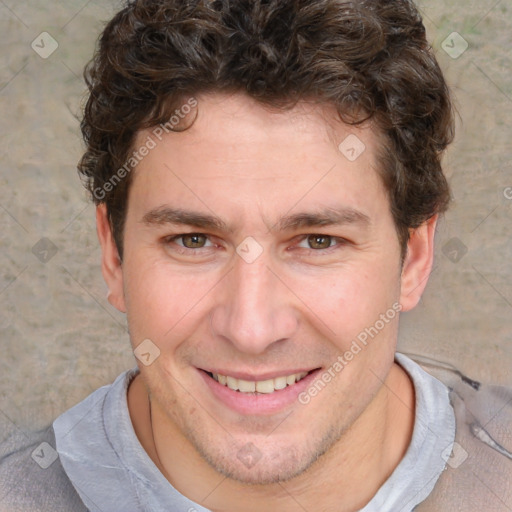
{"points": [[265, 403]]}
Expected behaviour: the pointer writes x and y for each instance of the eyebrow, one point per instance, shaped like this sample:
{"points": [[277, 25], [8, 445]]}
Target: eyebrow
{"points": [[324, 217]]}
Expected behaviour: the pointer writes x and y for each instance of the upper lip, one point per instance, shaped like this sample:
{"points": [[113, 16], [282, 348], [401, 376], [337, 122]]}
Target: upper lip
{"points": [[259, 377]]}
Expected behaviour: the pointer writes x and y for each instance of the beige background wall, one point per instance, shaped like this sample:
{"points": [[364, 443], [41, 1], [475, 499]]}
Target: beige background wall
{"points": [[59, 337]]}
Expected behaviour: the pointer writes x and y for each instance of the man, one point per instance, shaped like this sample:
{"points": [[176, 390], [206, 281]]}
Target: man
{"points": [[267, 178]]}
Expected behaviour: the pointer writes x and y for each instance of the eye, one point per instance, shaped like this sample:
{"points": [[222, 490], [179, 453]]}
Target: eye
{"points": [[191, 240], [318, 242]]}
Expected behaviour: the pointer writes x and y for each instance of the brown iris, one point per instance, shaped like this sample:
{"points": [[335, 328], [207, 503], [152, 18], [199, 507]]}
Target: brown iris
{"points": [[319, 241], [193, 240]]}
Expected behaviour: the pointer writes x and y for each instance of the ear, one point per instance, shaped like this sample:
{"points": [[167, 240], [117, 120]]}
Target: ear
{"points": [[110, 261], [418, 263]]}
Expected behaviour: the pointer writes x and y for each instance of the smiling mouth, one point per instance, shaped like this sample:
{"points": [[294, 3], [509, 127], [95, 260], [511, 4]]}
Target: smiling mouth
{"points": [[258, 387]]}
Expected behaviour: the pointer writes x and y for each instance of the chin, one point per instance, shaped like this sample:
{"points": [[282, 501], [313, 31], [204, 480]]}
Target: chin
{"points": [[264, 471], [267, 463]]}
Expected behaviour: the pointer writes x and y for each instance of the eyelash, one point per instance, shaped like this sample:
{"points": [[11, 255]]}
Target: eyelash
{"points": [[191, 251]]}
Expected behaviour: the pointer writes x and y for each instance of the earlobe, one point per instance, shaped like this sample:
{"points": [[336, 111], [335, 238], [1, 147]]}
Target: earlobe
{"points": [[418, 263], [111, 266]]}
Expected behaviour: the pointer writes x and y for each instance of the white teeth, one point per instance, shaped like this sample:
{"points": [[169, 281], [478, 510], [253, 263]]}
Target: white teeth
{"points": [[290, 380], [246, 386], [265, 386], [232, 383], [262, 386], [280, 382]]}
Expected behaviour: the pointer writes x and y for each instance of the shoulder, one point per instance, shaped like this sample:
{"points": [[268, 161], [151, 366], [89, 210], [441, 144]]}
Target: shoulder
{"points": [[32, 477], [478, 471]]}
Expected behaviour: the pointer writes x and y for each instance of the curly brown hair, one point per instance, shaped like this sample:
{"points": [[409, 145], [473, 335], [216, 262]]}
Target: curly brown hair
{"points": [[370, 59]]}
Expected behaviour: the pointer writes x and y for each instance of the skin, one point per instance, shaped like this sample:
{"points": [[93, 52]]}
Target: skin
{"points": [[297, 305]]}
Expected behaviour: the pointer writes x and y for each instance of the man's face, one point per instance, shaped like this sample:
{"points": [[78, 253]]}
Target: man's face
{"points": [[274, 291]]}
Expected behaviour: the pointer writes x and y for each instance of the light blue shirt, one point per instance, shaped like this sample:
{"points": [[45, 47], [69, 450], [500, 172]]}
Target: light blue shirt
{"points": [[112, 472]]}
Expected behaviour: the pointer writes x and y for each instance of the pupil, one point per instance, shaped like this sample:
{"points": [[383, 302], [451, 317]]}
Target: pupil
{"points": [[194, 241], [320, 242]]}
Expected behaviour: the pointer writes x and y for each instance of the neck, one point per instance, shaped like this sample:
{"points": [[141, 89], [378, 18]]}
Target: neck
{"points": [[344, 479]]}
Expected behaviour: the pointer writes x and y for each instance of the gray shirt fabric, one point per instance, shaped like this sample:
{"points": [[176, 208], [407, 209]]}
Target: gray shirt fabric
{"points": [[26, 484], [101, 456]]}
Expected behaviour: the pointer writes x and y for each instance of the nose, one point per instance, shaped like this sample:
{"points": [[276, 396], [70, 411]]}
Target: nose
{"points": [[255, 309]]}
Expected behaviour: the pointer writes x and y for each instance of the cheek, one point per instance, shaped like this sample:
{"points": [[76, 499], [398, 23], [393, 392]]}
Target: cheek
{"points": [[163, 304], [342, 304]]}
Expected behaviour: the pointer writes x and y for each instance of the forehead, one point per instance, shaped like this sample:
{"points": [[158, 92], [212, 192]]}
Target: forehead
{"points": [[222, 117], [240, 150]]}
